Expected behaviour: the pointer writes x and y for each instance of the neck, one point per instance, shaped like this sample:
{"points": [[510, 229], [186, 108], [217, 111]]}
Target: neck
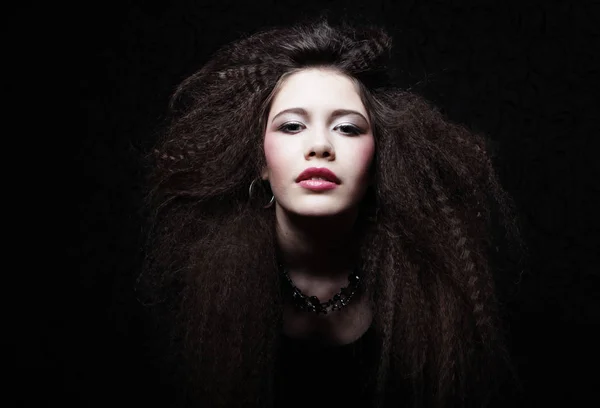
{"points": [[316, 246]]}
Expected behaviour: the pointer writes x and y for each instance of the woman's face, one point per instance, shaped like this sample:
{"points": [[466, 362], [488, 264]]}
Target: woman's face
{"points": [[317, 122]]}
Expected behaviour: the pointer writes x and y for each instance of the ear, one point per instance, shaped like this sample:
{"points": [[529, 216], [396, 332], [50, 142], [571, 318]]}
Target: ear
{"points": [[264, 174]]}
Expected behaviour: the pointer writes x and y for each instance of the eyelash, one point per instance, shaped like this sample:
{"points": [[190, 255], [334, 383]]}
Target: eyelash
{"points": [[355, 131]]}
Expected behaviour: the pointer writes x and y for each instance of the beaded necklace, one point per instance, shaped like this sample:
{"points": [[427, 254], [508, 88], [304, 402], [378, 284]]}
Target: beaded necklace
{"points": [[313, 304]]}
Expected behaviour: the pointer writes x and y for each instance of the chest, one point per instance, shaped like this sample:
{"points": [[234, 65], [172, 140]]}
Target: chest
{"points": [[339, 327], [326, 360]]}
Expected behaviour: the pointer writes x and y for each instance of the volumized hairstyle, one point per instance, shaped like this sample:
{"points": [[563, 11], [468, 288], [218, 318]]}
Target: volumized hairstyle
{"points": [[427, 248]]}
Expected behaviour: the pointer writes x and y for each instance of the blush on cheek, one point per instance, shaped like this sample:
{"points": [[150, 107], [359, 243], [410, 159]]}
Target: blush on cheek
{"points": [[275, 158], [270, 150], [366, 152]]}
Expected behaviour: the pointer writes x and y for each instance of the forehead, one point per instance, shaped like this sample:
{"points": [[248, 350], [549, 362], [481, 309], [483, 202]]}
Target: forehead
{"points": [[317, 89]]}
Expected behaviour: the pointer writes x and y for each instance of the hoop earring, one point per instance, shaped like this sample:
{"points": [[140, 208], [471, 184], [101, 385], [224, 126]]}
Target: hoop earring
{"points": [[269, 204]]}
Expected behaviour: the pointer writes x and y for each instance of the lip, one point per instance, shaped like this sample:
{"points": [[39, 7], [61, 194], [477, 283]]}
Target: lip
{"points": [[318, 185], [321, 172]]}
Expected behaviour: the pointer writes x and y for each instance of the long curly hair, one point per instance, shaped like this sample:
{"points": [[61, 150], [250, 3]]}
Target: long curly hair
{"points": [[429, 225]]}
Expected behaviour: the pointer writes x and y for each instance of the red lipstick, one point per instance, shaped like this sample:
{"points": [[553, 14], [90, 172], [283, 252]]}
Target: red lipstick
{"points": [[318, 179]]}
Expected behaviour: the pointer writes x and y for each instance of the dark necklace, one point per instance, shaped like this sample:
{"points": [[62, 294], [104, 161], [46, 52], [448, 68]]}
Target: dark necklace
{"points": [[313, 304]]}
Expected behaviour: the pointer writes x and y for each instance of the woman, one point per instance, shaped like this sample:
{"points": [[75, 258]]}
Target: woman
{"points": [[321, 236]]}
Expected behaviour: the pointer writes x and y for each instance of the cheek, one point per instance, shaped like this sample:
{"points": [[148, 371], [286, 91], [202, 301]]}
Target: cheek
{"points": [[365, 153], [276, 156], [269, 148]]}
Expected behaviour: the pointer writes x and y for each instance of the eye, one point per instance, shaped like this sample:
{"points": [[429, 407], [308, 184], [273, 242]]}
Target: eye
{"points": [[291, 127], [348, 129]]}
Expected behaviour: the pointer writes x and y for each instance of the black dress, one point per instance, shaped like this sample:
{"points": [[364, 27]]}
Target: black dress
{"points": [[310, 374]]}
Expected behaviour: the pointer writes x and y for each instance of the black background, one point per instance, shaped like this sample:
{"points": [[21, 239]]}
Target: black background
{"points": [[525, 73]]}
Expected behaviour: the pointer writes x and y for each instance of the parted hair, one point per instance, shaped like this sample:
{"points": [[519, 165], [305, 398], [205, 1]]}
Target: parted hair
{"points": [[425, 253]]}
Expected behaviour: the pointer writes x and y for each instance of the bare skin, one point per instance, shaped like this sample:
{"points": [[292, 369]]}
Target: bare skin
{"points": [[317, 120], [337, 328], [316, 254]]}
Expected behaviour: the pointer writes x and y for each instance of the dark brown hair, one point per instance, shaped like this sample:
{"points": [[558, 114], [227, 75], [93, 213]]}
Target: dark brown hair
{"points": [[425, 256]]}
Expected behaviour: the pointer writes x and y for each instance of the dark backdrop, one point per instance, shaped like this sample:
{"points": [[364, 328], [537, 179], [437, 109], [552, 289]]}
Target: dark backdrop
{"points": [[522, 72]]}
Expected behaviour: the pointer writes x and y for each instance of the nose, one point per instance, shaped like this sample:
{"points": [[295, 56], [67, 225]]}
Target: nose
{"points": [[320, 147]]}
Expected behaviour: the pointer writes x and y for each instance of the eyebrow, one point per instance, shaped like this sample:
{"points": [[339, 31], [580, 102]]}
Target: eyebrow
{"points": [[335, 114]]}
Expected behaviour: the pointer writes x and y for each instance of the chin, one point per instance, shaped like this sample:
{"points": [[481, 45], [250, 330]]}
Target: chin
{"points": [[318, 210], [317, 213]]}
